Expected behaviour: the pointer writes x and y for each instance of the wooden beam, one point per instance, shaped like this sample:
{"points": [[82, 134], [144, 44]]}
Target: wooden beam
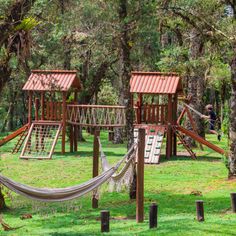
{"points": [[30, 108], [201, 140], [140, 178], [71, 138], [13, 135], [63, 142], [181, 116], [36, 108], [42, 106], [95, 162], [75, 138], [140, 102], [175, 102], [169, 128], [192, 122]]}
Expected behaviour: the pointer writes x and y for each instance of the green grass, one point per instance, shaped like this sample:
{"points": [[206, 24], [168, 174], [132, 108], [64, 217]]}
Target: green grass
{"points": [[170, 184]]}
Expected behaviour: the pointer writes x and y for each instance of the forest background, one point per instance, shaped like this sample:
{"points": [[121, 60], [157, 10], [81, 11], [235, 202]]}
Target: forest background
{"points": [[106, 40]]}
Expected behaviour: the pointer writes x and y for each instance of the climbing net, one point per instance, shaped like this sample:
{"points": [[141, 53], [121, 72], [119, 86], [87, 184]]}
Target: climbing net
{"points": [[41, 140]]}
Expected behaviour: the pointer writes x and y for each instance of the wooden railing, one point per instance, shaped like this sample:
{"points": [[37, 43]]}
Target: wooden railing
{"points": [[53, 111], [96, 115], [151, 114], [105, 116]]}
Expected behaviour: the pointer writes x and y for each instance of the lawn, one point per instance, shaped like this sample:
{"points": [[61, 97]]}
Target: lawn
{"points": [[172, 184]]}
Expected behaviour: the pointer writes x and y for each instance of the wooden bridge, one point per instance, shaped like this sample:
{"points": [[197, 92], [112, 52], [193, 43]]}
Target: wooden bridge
{"points": [[105, 115], [96, 115]]}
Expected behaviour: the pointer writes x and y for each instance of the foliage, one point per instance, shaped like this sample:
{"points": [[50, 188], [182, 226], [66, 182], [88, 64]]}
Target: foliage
{"points": [[107, 95]]}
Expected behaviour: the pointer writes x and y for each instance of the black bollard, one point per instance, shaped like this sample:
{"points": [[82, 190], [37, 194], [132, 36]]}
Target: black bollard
{"points": [[200, 210], [233, 202], [105, 218], [153, 215]]}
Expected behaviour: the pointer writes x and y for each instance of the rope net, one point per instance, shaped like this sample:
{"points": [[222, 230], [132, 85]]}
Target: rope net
{"points": [[41, 140]]}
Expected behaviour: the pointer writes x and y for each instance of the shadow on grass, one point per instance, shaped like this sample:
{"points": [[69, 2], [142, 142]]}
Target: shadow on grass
{"points": [[188, 158], [84, 154]]}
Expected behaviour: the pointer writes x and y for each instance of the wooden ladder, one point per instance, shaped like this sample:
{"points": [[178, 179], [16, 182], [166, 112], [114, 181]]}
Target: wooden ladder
{"points": [[187, 147], [20, 141]]}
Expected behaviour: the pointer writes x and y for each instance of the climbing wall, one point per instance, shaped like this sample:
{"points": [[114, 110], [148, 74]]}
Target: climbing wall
{"points": [[153, 143], [41, 140]]}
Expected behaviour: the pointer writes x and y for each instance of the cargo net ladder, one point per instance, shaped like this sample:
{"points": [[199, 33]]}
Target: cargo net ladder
{"points": [[41, 140]]}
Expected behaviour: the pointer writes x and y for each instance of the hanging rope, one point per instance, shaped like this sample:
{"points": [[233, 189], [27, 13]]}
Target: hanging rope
{"points": [[194, 110], [200, 114]]}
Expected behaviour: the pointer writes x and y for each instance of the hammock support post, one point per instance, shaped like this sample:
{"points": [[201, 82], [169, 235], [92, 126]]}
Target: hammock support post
{"points": [[140, 178], [95, 162]]}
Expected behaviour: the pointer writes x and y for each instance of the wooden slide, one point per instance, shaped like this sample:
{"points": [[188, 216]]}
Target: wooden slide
{"points": [[200, 139], [13, 135]]}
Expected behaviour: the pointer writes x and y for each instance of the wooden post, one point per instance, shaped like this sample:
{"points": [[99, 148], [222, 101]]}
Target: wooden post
{"points": [[63, 142], [75, 138], [200, 210], [175, 123], [75, 126], [233, 202], [105, 218], [42, 106], [140, 99], [71, 138], [30, 108], [36, 109], [169, 129], [153, 215], [110, 135], [140, 177], [95, 162]]}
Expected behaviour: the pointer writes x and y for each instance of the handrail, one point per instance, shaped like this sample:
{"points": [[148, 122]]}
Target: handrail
{"points": [[96, 106]]}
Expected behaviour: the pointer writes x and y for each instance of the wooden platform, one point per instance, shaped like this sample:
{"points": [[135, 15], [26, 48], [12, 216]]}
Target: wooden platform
{"points": [[153, 142]]}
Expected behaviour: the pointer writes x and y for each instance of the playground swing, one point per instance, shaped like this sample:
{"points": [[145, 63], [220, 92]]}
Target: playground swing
{"points": [[207, 121]]}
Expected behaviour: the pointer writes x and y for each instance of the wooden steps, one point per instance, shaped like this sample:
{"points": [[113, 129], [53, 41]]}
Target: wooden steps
{"points": [[187, 147], [20, 141], [13, 135], [200, 139]]}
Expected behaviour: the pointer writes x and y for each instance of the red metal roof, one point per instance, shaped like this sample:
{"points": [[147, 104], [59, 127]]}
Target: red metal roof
{"points": [[155, 83], [52, 80]]}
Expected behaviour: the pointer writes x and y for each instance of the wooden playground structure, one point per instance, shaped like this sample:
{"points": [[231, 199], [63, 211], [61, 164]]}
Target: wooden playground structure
{"points": [[155, 98], [53, 106]]}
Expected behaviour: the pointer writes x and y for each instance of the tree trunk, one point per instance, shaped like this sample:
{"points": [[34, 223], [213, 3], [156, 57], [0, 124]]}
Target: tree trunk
{"points": [[2, 201], [125, 69], [196, 86], [232, 155], [17, 11]]}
